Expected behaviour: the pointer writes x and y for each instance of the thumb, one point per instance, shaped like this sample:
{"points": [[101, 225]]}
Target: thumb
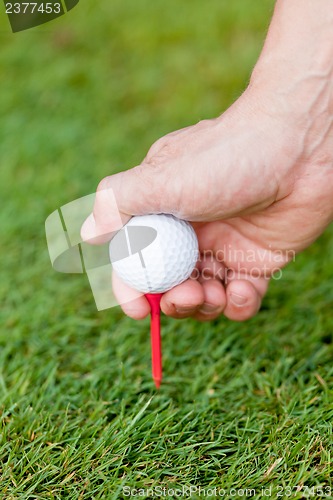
{"points": [[138, 191]]}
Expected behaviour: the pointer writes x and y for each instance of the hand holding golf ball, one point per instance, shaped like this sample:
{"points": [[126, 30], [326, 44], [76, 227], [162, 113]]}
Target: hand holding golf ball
{"points": [[234, 178]]}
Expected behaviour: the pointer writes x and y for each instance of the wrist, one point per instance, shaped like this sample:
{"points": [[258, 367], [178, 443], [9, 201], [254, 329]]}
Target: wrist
{"points": [[297, 59], [301, 35], [294, 75]]}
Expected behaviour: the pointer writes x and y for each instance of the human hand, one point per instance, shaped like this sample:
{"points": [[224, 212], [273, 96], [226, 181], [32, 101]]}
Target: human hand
{"points": [[254, 192], [256, 182]]}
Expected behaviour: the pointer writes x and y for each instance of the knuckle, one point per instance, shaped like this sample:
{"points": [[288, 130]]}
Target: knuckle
{"points": [[152, 179], [155, 148], [159, 156], [103, 184], [206, 123], [165, 149], [157, 144], [202, 123]]}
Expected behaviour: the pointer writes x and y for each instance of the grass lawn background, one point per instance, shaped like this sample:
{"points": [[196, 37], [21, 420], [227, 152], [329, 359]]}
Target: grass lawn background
{"points": [[243, 405]]}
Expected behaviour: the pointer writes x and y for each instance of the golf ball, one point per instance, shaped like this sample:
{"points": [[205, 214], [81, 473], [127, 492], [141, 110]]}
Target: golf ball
{"points": [[154, 253]]}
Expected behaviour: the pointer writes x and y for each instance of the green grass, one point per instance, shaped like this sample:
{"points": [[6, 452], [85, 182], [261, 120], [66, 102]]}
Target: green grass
{"points": [[243, 405]]}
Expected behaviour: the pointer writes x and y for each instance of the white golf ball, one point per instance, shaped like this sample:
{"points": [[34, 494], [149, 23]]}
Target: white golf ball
{"points": [[154, 253]]}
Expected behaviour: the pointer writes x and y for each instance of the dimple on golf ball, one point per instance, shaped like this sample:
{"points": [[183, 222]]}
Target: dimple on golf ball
{"points": [[154, 253]]}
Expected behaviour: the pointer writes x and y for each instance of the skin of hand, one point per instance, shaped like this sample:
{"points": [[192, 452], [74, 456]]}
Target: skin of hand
{"points": [[256, 182]]}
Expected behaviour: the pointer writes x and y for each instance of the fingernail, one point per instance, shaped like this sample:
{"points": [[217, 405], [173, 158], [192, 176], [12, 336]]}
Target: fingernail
{"points": [[185, 310], [238, 300], [208, 308]]}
